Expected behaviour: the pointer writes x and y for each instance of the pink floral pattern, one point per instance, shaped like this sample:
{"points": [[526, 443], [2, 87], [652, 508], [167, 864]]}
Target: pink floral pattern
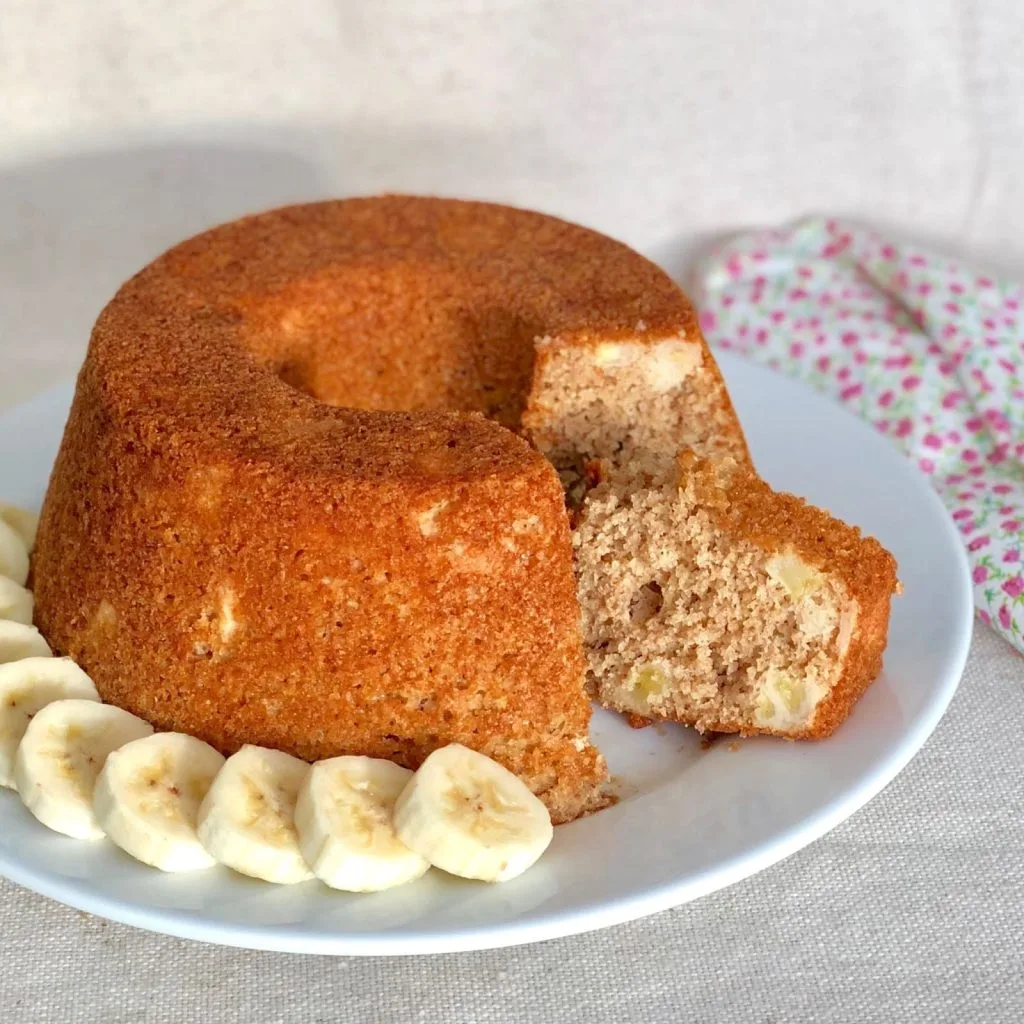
{"points": [[929, 352]]}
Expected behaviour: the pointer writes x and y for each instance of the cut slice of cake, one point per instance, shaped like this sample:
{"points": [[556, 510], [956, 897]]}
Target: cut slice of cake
{"points": [[722, 604], [706, 597]]}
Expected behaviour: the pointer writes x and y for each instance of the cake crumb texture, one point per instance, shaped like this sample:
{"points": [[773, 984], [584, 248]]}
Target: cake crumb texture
{"points": [[720, 603]]}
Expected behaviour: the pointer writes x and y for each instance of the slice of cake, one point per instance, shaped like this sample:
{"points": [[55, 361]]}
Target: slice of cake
{"points": [[722, 604], [706, 597]]}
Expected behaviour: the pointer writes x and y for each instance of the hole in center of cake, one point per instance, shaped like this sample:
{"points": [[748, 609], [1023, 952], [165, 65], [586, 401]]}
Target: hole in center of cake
{"points": [[399, 337]]}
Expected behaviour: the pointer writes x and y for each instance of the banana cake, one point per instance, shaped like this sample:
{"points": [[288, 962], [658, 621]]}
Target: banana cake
{"points": [[293, 501]]}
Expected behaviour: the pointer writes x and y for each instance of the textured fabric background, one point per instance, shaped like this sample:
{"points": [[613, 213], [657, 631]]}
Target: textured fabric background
{"points": [[911, 911], [125, 126]]}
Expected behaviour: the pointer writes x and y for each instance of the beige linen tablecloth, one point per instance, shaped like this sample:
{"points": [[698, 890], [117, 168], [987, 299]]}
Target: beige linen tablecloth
{"points": [[911, 911], [127, 124]]}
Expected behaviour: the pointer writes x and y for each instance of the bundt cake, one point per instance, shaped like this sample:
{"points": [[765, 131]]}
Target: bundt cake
{"points": [[721, 604], [288, 511]]}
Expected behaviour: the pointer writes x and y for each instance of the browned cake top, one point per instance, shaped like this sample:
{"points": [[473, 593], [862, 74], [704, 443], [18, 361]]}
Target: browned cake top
{"points": [[298, 328]]}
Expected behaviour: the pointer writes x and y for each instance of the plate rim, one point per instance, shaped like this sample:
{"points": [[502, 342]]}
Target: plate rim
{"points": [[299, 938]]}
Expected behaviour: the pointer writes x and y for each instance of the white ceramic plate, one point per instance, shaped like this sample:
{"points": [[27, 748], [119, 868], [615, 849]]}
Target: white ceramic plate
{"points": [[690, 820]]}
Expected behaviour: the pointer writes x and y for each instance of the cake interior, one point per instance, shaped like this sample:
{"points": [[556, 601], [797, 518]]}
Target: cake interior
{"points": [[633, 403], [685, 619]]}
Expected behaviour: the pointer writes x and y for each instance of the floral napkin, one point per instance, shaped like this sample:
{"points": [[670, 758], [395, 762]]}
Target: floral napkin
{"points": [[924, 348]]}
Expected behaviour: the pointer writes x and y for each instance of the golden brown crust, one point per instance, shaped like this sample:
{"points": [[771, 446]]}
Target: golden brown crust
{"points": [[747, 507], [392, 302], [728, 422], [774, 520], [862, 666]]}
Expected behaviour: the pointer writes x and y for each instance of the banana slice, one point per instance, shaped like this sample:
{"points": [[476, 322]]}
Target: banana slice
{"points": [[343, 817], [26, 687], [472, 817], [23, 522], [61, 755], [16, 602], [247, 820], [148, 795], [13, 554], [19, 641]]}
